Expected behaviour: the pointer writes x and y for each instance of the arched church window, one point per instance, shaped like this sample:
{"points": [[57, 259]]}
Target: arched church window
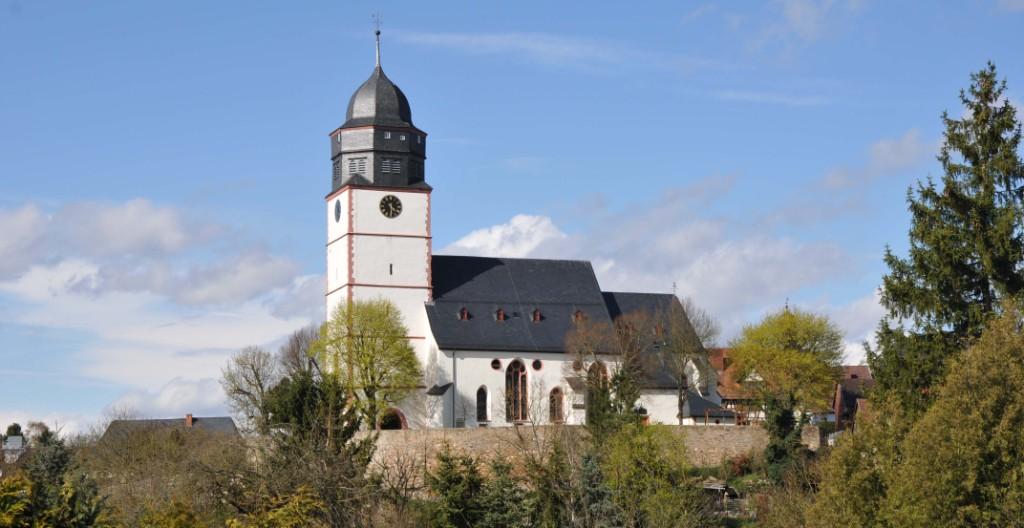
{"points": [[597, 389], [481, 405], [515, 392], [555, 408], [392, 419]]}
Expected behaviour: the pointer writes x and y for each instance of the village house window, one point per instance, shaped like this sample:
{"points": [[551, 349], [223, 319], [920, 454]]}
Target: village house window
{"points": [[555, 409], [515, 392], [481, 405]]}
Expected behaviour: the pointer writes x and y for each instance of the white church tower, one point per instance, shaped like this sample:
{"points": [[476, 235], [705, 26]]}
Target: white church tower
{"points": [[378, 210]]}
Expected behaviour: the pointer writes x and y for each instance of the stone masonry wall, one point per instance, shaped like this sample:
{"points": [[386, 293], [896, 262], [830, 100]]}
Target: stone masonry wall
{"points": [[705, 445]]}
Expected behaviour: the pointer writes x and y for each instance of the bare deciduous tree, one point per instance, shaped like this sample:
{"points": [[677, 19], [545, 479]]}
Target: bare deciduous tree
{"points": [[294, 354], [691, 332], [246, 380]]}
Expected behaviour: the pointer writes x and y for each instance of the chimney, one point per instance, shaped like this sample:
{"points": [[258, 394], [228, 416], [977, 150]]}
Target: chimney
{"points": [[188, 421]]}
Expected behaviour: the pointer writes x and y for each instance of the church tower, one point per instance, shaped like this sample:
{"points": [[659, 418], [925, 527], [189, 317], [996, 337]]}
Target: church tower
{"points": [[378, 210]]}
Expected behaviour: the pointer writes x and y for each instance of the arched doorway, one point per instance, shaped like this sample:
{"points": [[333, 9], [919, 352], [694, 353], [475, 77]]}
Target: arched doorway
{"points": [[515, 392], [392, 419]]}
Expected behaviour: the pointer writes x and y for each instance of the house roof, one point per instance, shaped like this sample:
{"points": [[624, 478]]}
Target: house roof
{"points": [[213, 425], [700, 406], [729, 387], [14, 443]]}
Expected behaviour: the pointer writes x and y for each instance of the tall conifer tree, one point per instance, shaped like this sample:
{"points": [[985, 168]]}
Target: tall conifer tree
{"points": [[966, 246]]}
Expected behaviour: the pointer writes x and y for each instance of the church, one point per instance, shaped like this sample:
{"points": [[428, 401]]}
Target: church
{"points": [[490, 333]]}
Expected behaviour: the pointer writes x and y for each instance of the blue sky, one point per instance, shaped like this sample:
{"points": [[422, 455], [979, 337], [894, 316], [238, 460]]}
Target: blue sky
{"points": [[163, 165]]}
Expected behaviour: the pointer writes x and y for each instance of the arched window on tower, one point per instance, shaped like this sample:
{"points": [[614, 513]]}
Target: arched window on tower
{"points": [[555, 408], [515, 392], [481, 405]]}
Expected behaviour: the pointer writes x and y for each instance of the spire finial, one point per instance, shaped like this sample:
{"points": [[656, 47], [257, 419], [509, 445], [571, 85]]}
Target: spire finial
{"points": [[376, 22]]}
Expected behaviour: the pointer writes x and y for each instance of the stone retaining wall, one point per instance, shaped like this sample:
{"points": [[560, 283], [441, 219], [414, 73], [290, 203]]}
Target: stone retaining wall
{"points": [[705, 445]]}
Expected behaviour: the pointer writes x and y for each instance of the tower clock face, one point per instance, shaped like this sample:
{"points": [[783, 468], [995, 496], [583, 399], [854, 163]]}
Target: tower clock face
{"points": [[390, 206]]}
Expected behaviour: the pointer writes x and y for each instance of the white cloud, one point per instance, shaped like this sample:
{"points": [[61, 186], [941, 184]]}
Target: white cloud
{"points": [[176, 398], [519, 237], [64, 423], [858, 319], [897, 154], [731, 273]]}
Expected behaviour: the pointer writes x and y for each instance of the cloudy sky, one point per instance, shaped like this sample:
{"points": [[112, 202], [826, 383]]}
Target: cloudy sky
{"points": [[163, 164]]}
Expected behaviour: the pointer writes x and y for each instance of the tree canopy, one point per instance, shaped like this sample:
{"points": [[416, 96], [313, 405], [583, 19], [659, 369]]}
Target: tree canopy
{"points": [[966, 245], [365, 346]]}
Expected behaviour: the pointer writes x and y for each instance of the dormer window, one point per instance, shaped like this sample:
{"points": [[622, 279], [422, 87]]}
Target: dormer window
{"points": [[463, 314], [500, 315], [579, 316], [401, 137], [537, 316]]}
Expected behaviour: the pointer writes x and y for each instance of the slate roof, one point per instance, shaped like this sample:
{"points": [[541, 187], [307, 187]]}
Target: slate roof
{"points": [[482, 285], [212, 425], [378, 101]]}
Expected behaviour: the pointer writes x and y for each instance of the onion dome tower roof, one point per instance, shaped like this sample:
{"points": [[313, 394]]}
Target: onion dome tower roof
{"points": [[378, 101]]}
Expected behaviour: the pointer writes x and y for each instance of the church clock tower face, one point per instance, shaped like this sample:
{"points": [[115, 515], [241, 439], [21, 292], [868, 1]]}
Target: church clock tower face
{"points": [[390, 206]]}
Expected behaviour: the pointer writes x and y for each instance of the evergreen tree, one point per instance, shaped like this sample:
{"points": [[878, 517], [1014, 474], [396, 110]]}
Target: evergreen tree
{"points": [[504, 502], [457, 485], [966, 246], [598, 507]]}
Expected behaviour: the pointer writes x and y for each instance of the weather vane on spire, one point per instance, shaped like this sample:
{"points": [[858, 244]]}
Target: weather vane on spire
{"points": [[376, 25]]}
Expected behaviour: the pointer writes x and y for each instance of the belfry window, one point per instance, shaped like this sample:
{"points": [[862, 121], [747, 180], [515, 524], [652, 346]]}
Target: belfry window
{"points": [[357, 166], [391, 166], [515, 392]]}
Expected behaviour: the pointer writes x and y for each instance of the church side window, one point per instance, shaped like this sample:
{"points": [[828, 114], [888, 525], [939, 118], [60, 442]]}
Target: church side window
{"points": [[481, 405], [515, 392], [357, 166], [557, 414]]}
